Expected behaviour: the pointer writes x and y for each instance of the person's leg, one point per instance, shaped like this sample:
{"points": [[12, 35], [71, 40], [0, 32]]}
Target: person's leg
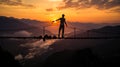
{"points": [[59, 32], [63, 32]]}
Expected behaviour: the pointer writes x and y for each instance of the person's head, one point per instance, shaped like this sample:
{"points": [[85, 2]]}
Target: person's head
{"points": [[63, 15]]}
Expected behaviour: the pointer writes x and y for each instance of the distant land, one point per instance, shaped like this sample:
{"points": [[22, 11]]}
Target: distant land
{"points": [[11, 25]]}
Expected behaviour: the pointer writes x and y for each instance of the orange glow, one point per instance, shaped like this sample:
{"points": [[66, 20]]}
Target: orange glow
{"points": [[40, 13], [55, 21]]}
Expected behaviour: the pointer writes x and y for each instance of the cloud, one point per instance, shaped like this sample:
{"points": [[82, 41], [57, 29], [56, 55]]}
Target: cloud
{"points": [[117, 9], [105, 4], [19, 57], [30, 56], [15, 3], [50, 9], [98, 4], [37, 48], [22, 34]]}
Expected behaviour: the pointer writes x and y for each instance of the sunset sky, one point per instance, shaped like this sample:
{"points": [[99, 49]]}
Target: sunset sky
{"points": [[96, 11]]}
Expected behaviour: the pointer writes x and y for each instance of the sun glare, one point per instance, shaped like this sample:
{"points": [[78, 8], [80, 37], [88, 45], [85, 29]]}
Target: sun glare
{"points": [[54, 20]]}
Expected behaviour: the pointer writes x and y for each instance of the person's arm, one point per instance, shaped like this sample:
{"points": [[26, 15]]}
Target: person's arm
{"points": [[56, 20]]}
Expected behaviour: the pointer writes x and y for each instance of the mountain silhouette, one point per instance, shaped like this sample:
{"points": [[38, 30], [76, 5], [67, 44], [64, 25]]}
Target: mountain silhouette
{"points": [[81, 58], [10, 25], [108, 29], [73, 58]]}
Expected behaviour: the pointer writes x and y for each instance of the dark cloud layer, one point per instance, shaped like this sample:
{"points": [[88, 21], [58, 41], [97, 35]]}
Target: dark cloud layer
{"points": [[15, 3], [99, 4], [50, 9]]}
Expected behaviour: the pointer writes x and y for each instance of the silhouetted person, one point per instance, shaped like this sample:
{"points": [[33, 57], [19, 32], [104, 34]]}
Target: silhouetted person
{"points": [[62, 22]]}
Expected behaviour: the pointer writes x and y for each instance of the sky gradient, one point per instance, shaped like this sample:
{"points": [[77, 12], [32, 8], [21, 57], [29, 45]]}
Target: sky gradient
{"points": [[96, 11]]}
